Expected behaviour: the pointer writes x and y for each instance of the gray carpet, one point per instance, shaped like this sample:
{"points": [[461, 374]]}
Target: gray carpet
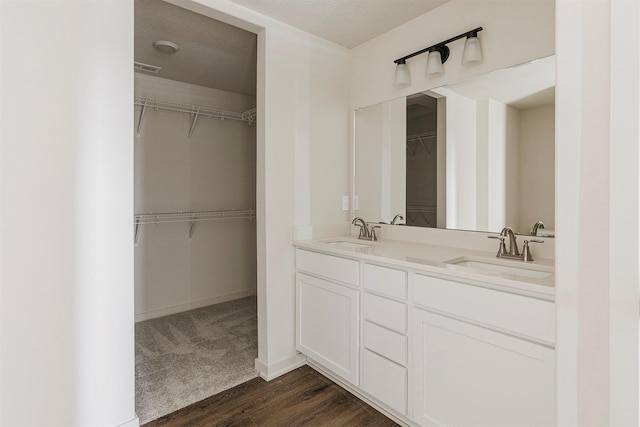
{"points": [[186, 357]]}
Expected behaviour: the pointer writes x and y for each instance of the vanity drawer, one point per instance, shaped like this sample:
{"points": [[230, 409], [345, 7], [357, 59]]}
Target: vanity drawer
{"points": [[390, 314], [516, 313], [385, 381], [386, 281], [386, 343], [332, 267]]}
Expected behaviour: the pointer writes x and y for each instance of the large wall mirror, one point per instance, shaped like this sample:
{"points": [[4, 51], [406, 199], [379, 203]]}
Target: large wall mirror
{"points": [[474, 155]]}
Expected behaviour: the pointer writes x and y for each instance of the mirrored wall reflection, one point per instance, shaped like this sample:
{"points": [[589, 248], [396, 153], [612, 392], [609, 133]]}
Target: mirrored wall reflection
{"points": [[474, 155], [422, 161]]}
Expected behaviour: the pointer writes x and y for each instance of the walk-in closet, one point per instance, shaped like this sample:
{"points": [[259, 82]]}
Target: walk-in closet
{"points": [[195, 207]]}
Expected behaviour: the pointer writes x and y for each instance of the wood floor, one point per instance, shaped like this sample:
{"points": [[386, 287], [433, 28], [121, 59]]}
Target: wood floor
{"points": [[300, 398]]}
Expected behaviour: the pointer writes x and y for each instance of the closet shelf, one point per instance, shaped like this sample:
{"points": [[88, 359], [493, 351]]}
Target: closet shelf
{"points": [[421, 208], [194, 110], [420, 136], [191, 217]]}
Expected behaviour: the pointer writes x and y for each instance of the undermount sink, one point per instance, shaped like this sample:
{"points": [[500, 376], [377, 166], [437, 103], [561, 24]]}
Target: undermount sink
{"points": [[503, 267], [346, 244]]}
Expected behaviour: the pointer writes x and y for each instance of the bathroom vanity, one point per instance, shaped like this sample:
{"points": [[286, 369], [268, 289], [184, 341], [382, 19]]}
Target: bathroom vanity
{"points": [[430, 335]]}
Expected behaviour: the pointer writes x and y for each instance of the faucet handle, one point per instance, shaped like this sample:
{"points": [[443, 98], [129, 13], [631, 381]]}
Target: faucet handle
{"points": [[526, 252], [502, 250], [374, 236]]}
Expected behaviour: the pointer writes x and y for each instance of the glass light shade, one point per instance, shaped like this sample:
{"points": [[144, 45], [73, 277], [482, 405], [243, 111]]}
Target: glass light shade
{"points": [[434, 64], [402, 75], [472, 53]]}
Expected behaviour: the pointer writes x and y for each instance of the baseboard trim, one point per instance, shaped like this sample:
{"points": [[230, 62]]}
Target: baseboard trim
{"points": [[269, 372], [400, 419], [179, 308], [134, 422]]}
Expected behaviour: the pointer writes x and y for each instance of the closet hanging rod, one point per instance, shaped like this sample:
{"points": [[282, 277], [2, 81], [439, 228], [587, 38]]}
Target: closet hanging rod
{"points": [[247, 116]]}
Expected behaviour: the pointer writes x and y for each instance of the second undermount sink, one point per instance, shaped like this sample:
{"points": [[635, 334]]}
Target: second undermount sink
{"points": [[347, 244], [503, 267]]}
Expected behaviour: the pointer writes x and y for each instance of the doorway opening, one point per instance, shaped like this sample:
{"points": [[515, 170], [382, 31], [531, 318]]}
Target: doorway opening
{"points": [[195, 207]]}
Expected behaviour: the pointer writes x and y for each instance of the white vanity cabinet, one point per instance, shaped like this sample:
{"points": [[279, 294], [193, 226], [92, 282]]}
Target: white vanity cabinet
{"points": [[425, 345], [481, 356], [327, 312], [384, 338]]}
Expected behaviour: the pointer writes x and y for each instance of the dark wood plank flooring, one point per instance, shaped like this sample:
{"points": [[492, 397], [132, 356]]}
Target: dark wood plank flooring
{"points": [[301, 397]]}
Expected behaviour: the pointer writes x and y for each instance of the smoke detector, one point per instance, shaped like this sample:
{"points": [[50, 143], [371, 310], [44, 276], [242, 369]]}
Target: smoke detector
{"points": [[165, 46]]}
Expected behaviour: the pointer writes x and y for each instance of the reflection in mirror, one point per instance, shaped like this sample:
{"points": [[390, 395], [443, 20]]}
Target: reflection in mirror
{"points": [[474, 155]]}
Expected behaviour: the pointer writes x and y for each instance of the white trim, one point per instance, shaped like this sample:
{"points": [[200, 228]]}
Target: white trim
{"points": [[165, 311], [134, 422], [269, 372]]}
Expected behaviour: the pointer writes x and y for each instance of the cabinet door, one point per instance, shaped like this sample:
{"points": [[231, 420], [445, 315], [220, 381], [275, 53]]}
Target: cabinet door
{"points": [[327, 325], [466, 375]]}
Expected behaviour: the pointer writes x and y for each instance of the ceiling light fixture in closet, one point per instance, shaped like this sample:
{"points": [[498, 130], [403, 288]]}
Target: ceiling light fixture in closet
{"points": [[165, 46]]}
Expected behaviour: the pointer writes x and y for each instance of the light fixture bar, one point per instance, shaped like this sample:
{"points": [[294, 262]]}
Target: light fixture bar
{"points": [[439, 46]]}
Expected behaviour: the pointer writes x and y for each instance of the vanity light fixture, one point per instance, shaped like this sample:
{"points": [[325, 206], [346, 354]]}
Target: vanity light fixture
{"points": [[471, 53], [438, 55], [436, 58], [402, 74]]}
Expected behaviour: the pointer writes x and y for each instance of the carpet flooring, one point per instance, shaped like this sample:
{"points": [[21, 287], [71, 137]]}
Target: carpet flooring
{"points": [[186, 357]]}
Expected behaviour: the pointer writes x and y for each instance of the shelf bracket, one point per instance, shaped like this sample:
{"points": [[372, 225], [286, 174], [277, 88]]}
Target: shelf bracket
{"points": [[192, 227], [135, 236], [193, 123], [144, 106]]}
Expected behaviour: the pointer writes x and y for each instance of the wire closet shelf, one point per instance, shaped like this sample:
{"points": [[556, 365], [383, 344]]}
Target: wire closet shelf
{"points": [[418, 137], [191, 217], [195, 111]]}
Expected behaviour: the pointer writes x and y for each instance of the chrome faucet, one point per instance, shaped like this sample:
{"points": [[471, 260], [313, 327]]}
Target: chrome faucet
{"points": [[513, 244], [364, 228], [513, 253], [536, 226], [396, 218], [365, 232]]}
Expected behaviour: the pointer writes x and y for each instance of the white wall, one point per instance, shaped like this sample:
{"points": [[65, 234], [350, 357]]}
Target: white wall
{"points": [[597, 212], [494, 164], [215, 169], [461, 161], [302, 160], [536, 158], [382, 130], [66, 172], [512, 195]]}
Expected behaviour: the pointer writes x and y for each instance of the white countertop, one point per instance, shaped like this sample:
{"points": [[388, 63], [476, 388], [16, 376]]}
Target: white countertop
{"points": [[433, 259]]}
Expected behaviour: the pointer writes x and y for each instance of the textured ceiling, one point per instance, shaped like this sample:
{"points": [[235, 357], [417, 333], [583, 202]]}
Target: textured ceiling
{"points": [[221, 56], [346, 22], [212, 53]]}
